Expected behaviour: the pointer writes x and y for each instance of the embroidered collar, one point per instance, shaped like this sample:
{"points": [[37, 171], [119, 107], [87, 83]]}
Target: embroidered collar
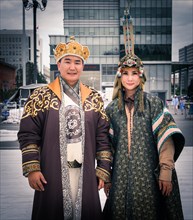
{"points": [[73, 93]]}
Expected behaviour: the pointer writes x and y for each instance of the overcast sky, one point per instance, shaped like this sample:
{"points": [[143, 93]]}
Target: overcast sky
{"points": [[50, 22]]}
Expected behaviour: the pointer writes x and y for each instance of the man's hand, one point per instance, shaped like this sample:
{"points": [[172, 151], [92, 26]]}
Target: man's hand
{"points": [[36, 180], [165, 187], [101, 184]]}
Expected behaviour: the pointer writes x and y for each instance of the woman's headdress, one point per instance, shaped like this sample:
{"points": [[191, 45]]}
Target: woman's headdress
{"points": [[129, 60]]}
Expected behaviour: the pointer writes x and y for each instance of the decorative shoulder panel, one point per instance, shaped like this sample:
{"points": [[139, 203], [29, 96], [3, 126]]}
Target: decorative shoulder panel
{"points": [[95, 103], [41, 99]]}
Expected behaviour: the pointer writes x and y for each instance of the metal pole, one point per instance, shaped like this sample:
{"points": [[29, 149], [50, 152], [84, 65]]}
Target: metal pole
{"points": [[174, 83], [180, 82], [35, 4], [24, 49]]}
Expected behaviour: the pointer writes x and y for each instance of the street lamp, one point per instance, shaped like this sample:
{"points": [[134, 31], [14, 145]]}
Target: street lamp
{"points": [[35, 4]]}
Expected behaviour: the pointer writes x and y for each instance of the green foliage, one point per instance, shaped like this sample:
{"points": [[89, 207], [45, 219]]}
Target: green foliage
{"points": [[19, 78], [6, 94], [41, 78], [30, 74]]}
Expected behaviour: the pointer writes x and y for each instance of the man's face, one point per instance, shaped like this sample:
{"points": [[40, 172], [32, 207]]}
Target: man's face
{"points": [[70, 68]]}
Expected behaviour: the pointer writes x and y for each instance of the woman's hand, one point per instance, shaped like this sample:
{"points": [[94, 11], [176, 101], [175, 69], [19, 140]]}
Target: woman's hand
{"points": [[165, 187]]}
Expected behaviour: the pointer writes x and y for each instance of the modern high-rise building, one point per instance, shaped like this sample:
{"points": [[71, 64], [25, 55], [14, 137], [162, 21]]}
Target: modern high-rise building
{"points": [[98, 24], [186, 72], [12, 46]]}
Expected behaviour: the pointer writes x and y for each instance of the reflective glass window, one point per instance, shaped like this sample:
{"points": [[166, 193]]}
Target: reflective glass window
{"points": [[153, 39], [148, 3], [137, 39], [167, 71], [159, 39], [159, 3], [152, 70], [158, 21], [164, 39], [164, 21], [138, 3], [169, 21], [143, 4], [148, 39], [148, 21], [169, 3]]}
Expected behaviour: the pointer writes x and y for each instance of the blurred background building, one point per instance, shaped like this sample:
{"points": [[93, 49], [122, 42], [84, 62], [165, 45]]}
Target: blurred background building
{"points": [[16, 49], [7, 76], [98, 24], [182, 71], [11, 47], [186, 56]]}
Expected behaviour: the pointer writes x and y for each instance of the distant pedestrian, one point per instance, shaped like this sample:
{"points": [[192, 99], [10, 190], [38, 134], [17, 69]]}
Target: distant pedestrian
{"points": [[182, 105], [175, 103], [167, 104]]}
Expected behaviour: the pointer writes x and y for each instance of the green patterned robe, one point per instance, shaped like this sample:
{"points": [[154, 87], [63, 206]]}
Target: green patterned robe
{"points": [[135, 192]]}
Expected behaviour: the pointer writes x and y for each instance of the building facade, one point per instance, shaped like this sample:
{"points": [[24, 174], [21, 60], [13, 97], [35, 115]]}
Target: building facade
{"points": [[7, 76], [12, 45], [186, 74], [98, 24], [46, 73]]}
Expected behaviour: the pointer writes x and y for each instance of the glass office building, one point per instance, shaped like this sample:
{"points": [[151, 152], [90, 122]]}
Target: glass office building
{"points": [[186, 73], [98, 24]]}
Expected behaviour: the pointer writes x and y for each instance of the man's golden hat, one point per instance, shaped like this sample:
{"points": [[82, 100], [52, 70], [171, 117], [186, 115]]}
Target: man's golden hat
{"points": [[72, 48]]}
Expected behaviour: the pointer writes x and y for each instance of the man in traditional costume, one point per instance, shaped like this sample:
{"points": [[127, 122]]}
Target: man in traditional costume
{"points": [[63, 130], [146, 142]]}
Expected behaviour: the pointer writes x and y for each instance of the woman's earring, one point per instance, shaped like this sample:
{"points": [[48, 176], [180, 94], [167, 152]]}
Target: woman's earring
{"points": [[118, 73]]}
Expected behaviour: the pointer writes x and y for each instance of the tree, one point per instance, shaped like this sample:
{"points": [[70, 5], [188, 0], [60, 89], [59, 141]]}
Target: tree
{"points": [[30, 74], [4, 95], [19, 78], [41, 78]]}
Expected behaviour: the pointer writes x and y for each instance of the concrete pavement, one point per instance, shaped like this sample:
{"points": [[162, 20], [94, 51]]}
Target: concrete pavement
{"points": [[16, 196]]}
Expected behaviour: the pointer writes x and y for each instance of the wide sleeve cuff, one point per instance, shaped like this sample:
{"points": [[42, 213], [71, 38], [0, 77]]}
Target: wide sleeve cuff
{"points": [[103, 169], [103, 174], [31, 167], [165, 174], [30, 159]]}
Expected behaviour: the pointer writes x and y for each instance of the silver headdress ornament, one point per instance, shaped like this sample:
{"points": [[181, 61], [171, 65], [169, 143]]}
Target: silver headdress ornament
{"points": [[129, 60]]}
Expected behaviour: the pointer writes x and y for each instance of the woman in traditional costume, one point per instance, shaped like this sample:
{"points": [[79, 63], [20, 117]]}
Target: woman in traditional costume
{"points": [[146, 143]]}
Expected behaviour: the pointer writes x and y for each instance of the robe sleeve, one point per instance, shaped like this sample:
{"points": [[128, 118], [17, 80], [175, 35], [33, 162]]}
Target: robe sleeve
{"points": [[164, 126], [103, 155], [111, 128], [30, 132], [166, 160]]}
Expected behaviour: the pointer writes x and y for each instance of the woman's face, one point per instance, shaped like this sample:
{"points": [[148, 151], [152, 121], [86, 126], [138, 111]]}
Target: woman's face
{"points": [[130, 78]]}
